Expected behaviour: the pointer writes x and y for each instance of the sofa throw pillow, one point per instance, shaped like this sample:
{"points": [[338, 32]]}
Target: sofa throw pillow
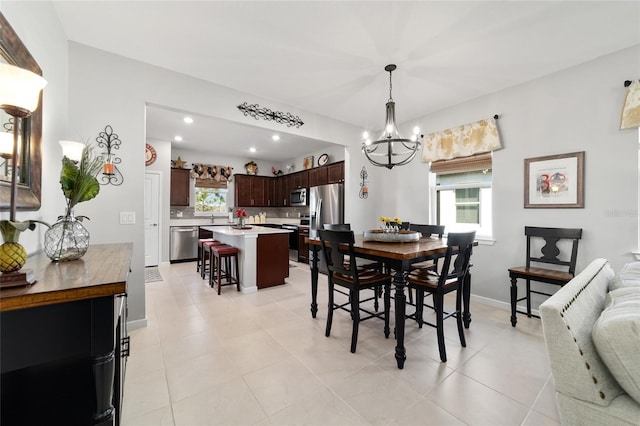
{"points": [[628, 276], [616, 335]]}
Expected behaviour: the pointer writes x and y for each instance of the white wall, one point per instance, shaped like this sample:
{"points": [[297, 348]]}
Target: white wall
{"points": [[109, 89], [36, 23], [574, 110]]}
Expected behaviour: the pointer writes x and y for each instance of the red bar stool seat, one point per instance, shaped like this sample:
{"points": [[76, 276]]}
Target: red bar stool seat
{"points": [[206, 256], [199, 259], [226, 271]]}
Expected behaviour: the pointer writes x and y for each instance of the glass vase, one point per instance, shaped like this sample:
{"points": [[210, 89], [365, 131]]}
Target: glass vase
{"points": [[241, 222], [67, 239]]}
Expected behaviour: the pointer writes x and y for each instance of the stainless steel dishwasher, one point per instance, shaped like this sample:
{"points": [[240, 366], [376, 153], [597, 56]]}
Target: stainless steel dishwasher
{"points": [[183, 243]]}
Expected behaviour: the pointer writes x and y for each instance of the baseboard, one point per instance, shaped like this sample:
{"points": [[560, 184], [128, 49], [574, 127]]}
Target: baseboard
{"points": [[132, 325], [506, 306]]}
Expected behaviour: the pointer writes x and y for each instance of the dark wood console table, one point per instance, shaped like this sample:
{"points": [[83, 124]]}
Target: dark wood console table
{"points": [[64, 341]]}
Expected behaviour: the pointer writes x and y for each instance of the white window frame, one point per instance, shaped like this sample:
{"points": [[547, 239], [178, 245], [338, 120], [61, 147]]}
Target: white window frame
{"points": [[484, 232]]}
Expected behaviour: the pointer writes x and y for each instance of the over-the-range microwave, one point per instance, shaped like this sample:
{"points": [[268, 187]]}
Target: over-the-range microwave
{"points": [[298, 197]]}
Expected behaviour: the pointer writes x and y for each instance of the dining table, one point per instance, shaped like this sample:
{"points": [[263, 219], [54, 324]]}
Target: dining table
{"points": [[398, 257]]}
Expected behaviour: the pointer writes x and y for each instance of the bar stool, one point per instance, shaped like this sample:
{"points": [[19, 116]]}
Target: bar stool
{"points": [[199, 259], [206, 255], [224, 270]]}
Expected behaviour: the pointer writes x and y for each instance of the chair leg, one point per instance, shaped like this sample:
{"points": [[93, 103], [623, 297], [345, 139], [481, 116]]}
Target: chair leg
{"points": [[355, 311], [459, 297], [375, 299], [387, 308], [420, 307], [330, 311], [514, 300], [529, 298], [438, 301]]}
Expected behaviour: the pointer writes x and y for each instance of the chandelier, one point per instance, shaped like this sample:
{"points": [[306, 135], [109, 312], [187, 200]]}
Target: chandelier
{"points": [[390, 149]]}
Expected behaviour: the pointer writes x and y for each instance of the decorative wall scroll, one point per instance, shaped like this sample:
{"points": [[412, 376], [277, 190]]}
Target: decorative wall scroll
{"points": [[110, 141], [220, 174], [256, 112], [554, 181]]}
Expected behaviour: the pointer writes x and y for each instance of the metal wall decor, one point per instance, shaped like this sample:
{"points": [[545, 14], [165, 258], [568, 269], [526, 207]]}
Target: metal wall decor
{"points": [[109, 141], [364, 191], [256, 112]]}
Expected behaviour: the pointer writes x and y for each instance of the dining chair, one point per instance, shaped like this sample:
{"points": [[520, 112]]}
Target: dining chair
{"points": [[542, 248], [354, 280], [427, 231], [450, 278]]}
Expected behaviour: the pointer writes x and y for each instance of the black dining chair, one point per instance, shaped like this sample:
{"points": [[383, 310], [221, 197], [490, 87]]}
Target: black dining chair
{"points": [[353, 279], [547, 254], [450, 278]]}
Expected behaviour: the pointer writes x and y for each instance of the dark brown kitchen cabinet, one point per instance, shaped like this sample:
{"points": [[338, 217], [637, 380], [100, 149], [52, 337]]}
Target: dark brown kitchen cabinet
{"points": [[251, 191], [180, 183], [335, 172], [318, 176], [300, 180]]}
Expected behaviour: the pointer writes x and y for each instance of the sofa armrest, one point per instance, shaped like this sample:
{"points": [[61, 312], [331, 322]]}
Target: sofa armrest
{"points": [[568, 318]]}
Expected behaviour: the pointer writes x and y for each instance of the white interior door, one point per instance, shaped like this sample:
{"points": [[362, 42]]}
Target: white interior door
{"points": [[151, 218]]}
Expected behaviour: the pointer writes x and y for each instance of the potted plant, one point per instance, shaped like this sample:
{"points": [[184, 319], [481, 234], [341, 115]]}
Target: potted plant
{"points": [[68, 239], [13, 256]]}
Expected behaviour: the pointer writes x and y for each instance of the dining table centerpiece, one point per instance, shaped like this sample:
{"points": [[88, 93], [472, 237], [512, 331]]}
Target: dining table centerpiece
{"points": [[390, 232], [68, 239], [389, 224]]}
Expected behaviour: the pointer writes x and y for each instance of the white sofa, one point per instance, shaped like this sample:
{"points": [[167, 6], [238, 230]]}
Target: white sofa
{"points": [[592, 334]]}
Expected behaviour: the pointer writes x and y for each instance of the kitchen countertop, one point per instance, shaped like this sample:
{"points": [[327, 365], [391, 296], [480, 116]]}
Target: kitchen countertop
{"points": [[223, 221], [253, 230]]}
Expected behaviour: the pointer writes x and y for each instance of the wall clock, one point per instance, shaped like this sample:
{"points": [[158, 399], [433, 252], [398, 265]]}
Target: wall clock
{"points": [[150, 155], [323, 159]]}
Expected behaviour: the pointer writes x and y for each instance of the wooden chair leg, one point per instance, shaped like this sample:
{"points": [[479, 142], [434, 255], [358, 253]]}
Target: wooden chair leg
{"points": [[459, 297], [330, 311], [514, 300], [420, 307], [237, 273], [355, 310], [529, 298], [438, 301], [387, 308]]}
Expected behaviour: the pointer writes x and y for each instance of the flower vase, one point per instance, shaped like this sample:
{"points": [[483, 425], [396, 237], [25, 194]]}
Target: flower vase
{"points": [[241, 222], [67, 239]]}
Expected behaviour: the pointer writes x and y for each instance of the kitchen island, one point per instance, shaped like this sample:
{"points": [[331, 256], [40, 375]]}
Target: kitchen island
{"points": [[264, 254]]}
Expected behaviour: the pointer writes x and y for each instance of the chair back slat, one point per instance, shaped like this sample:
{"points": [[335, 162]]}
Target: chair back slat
{"points": [[333, 255], [462, 244], [428, 230], [550, 250], [337, 226]]}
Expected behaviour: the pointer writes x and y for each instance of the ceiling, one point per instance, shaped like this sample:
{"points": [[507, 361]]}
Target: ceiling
{"points": [[328, 57]]}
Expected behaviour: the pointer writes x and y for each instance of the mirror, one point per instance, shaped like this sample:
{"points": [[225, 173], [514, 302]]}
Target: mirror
{"points": [[13, 51]]}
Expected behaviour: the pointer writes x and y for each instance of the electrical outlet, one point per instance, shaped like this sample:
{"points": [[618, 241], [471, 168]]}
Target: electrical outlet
{"points": [[127, 218]]}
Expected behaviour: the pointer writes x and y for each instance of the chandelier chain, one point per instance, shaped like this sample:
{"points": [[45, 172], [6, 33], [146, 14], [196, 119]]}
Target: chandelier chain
{"points": [[390, 87]]}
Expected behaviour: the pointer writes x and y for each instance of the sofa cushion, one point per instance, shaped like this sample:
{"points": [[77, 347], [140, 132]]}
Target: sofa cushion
{"points": [[629, 276], [616, 336]]}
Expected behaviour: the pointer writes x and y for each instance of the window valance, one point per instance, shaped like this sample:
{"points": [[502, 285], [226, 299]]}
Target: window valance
{"points": [[462, 141], [631, 108], [219, 175]]}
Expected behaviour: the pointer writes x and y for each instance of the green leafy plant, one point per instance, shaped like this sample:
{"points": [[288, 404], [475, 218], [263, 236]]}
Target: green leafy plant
{"points": [[78, 181]]}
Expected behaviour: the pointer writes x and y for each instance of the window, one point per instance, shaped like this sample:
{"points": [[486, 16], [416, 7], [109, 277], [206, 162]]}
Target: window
{"points": [[462, 196], [210, 200]]}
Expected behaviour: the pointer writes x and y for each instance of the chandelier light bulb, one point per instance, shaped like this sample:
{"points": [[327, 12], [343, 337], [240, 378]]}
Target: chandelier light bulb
{"points": [[416, 130], [367, 141], [365, 135]]}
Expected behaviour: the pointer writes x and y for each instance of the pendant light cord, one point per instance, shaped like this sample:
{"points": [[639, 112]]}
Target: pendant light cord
{"points": [[390, 87]]}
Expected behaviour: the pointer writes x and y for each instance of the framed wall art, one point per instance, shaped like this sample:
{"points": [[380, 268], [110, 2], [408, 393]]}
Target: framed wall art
{"points": [[554, 181], [308, 162]]}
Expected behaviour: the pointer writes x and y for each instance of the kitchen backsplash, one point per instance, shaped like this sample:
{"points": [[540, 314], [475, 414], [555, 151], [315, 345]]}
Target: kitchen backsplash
{"points": [[280, 212]]}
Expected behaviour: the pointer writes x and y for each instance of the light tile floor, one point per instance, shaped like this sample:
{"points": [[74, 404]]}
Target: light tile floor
{"points": [[260, 358]]}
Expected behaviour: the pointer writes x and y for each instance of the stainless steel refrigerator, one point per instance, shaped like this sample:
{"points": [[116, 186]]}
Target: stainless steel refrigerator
{"points": [[326, 205]]}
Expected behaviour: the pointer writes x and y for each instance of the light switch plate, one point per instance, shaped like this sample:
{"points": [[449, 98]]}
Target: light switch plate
{"points": [[127, 218]]}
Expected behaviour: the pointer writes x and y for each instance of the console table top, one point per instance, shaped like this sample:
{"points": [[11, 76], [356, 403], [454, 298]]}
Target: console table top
{"points": [[102, 271]]}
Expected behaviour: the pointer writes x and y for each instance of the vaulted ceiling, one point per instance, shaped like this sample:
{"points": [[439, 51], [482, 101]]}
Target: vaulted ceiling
{"points": [[328, 57]]}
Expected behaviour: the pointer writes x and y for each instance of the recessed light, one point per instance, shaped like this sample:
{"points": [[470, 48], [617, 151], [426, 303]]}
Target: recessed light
{"points": [[275, 137], [188, 120], [252, 149], [178, 138]]}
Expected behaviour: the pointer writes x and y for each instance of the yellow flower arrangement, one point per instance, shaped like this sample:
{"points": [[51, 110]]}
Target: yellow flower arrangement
{"points": [[389, 223]]}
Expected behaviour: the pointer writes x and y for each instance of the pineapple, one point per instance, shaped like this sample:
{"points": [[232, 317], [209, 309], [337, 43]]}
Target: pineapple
{"points": [[12, 254]]}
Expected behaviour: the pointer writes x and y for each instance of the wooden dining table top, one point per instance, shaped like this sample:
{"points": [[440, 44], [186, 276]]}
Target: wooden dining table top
{"points": [[395, 250]]}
